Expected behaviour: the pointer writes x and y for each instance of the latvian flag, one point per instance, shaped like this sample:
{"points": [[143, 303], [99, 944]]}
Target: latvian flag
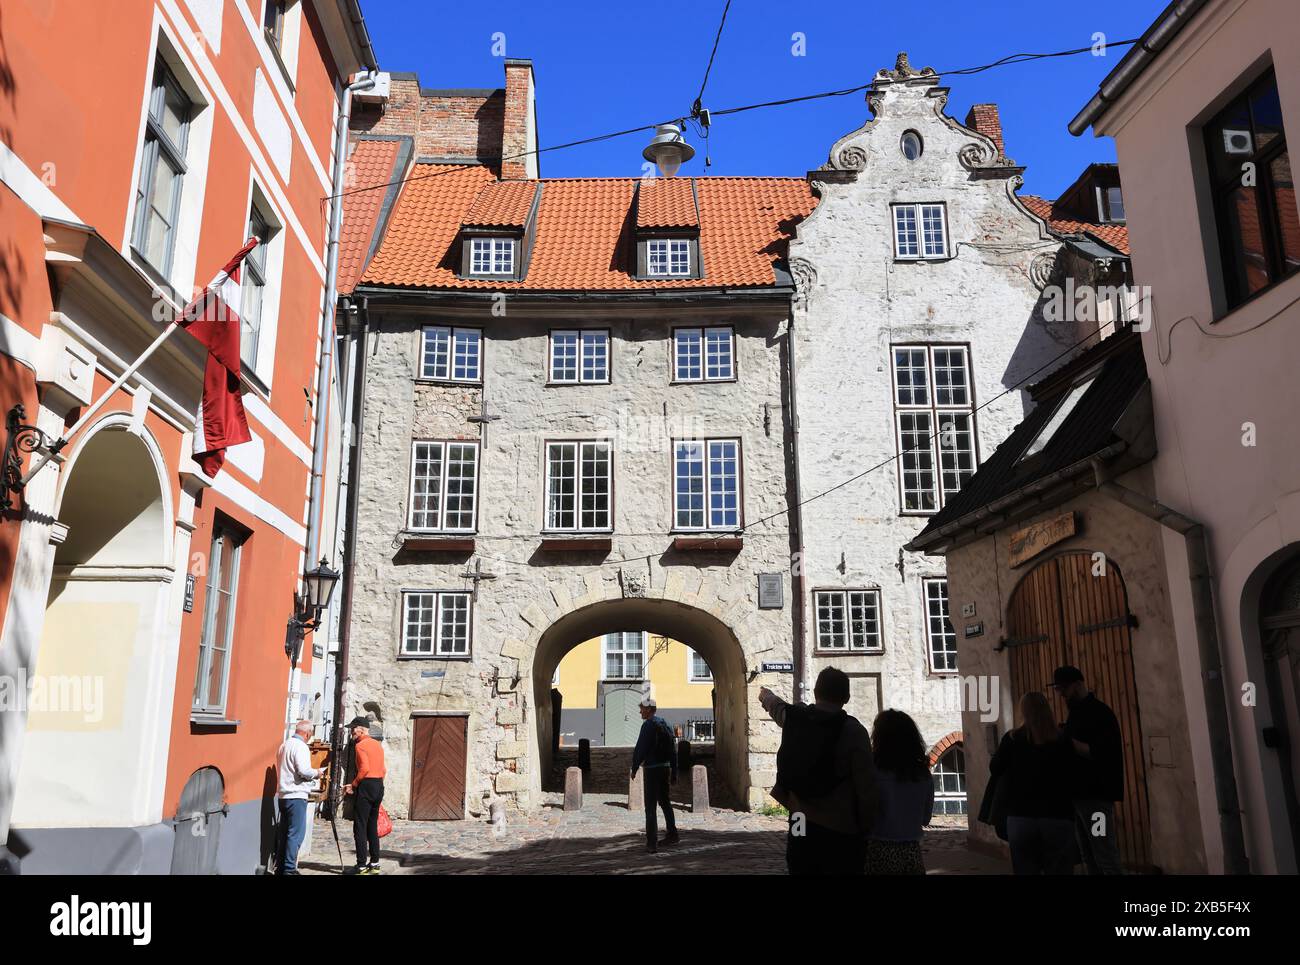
{"points": [[213, 319]]}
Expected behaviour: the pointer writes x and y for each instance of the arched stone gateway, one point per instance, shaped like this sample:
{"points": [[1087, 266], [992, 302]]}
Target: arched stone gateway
{"points": [[743, 750]]}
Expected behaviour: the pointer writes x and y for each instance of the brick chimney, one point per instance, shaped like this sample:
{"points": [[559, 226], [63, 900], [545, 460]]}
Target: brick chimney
{"points": [[518, 132], [985, 119]]}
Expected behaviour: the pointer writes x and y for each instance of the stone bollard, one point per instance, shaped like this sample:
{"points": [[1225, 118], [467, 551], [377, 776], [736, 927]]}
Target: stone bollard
{"points": [[584, 755], [572, 789], [700, 789], [683, 756], [636, 791]]}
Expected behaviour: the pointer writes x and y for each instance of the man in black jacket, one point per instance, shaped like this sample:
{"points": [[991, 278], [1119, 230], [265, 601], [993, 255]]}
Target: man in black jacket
{"points": [[1093, 731], [654, 751]]}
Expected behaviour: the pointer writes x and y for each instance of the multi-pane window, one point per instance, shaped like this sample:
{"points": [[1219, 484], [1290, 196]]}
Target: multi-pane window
{"points": [[444, 486], [700, 731], [273, 22], [579, 357], [848, 620], [451, 354], [941, 638], [670, 256], [935, 417], [699, 668], [254, 289], [920, 231], [579, 486], [213, 669], [435, 624], [162, 169], [706, 484], [625, 655], [704, 354], [949, 774], [1254, 192], [492, 256]]}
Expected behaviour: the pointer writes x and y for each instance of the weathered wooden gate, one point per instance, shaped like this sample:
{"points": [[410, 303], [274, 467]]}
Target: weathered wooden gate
{"points": [[198, 823], [438, 768], [1073, 609]]}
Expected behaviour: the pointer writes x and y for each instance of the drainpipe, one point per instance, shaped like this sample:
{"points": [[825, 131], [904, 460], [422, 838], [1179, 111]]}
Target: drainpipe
{"points": [[1210, 646], [796, 517]]}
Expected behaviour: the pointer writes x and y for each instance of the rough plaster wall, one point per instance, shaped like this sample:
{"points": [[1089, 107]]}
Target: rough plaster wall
{"points": [[858, 301], [532, 590]]}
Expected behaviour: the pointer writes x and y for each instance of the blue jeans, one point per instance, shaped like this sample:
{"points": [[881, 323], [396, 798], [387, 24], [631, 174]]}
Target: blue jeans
{"points": [[1041, 846], [293, 828]]}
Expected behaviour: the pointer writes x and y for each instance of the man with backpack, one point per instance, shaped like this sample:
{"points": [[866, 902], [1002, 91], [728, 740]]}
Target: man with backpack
{"points": [[825, 778], [654, 751]]}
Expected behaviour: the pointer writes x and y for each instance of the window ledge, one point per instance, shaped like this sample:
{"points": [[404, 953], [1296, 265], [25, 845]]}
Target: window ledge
{"points": [[437, 542], [212, 722], [576, 544], [458, 383], [453, 657], [708, 544]]}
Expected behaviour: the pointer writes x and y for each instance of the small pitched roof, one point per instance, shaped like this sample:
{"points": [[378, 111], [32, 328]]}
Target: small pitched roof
{"points": [[1113, 235], [374, 162], [502, 204], [667, 203]]}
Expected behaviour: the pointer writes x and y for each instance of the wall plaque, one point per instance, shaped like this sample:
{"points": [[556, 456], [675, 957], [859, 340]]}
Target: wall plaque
{"points": [[771, 591], [189, 592], [1029, 541]]}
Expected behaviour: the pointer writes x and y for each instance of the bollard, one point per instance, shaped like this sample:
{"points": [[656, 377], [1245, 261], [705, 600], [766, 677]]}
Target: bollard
{"points": [[636, 791], [572, 789], [584, 755], [700, 789], [683, 756]]}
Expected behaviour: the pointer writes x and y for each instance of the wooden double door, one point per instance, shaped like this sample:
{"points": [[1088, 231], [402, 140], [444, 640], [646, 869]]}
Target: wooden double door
{"points": [[438, 755], [1073, 609]]}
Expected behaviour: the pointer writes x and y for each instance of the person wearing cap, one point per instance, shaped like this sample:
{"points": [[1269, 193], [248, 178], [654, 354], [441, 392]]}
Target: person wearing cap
{"points": [[654, 751], [1093, 731], [295, 778], [367, 788]]}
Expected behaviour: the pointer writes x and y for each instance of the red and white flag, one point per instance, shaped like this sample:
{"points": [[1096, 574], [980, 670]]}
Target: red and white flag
{"points": [[213, 319]]}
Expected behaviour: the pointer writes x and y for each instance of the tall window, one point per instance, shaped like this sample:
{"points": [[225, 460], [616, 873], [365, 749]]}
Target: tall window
{"points": [[625, 655], [435, 624], [273, 22], [492, 256], [213, 670], [939, 634], [162, 169], [700, 672], [949, 774], [254, 289], [444, 486], [935, 418], [1254, 192], [920, 231], [704, 354], [706, 484], [452, 354], [671, 256], [579, 484], [848, 620], [579, 357]]}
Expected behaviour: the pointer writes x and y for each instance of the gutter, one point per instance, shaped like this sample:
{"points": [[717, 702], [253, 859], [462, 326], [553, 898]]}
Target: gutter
{"points": [[352, 10], [1157, 37], [1210, 648], [774, 293], [796, 517]]}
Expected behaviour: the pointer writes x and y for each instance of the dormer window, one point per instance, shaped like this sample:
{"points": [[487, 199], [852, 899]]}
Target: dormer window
{"points": [[1110, 201], [668, 257], [492, 256]]}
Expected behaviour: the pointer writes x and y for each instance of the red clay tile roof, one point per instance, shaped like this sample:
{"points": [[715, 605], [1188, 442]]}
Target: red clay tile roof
{"points": [[502, 204], [585, 236], [371, 163], [1115, 235], [666, 203]]}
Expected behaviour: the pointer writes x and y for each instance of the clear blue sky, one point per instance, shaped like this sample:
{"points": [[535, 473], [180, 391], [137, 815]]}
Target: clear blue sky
{"points": [[606, 66]]}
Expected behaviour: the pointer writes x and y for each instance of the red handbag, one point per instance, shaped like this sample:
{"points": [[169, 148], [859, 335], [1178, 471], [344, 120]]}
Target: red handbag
{"points": [[385, 823]]}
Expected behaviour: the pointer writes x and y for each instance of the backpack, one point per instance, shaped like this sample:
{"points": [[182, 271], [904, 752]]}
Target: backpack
{"points": [[664, 743], [805, 764]]}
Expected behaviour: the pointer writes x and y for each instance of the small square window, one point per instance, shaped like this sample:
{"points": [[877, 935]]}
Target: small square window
{"points": [[451, 354], [920, 231], [848, 620], [492, 256], [579, 357], [435, 624], [668, 257], [704, 354]]}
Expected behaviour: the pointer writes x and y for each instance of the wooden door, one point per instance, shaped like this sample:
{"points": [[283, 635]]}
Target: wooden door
{"points": [[198, 823], [1073, 609], [438, 768]]}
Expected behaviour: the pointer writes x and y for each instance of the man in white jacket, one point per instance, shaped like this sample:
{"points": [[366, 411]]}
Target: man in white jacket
{"points": [[296, 776]]}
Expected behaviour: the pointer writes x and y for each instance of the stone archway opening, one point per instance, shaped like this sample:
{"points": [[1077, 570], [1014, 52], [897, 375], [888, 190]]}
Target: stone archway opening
{"points": [[664, 619]]}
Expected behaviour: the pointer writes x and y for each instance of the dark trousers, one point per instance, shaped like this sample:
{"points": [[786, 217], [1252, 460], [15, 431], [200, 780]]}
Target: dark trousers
{"points": [[655, 783], [293, 827], [1094, 822], [365, 819], [1041, 846], [811, 849]]}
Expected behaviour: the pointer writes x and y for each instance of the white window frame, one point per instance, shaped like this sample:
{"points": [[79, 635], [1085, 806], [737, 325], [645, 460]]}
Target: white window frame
{"points": [[854, 604], [437, 602], [580, 491], [917, 244], [953, 455], [711, 522], [713, 345], [492, 255], [622, 654], [590, 348], [668, 257], [225, 539], [446, 357], [255, 286], [443, 448], [691, 675], [159, 149], [935, 592], [942, 797]]}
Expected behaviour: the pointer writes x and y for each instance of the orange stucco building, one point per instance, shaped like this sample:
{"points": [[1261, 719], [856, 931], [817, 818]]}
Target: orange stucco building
{"points": [[143, 606]]}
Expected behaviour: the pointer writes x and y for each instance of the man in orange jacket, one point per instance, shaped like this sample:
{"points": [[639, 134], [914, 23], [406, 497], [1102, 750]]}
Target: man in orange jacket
{"points": [[368, 788]]}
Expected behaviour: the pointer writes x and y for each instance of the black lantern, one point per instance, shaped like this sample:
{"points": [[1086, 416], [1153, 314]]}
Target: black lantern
{"points": [[318, 586]]}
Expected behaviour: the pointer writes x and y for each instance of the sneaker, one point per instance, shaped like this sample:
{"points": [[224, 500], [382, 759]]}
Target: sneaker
{"points": [[671, 838], [372, 869]]}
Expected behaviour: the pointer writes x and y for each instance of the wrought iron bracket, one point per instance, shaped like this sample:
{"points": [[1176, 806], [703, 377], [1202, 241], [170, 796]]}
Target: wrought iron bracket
{"points": [[21, 440]]}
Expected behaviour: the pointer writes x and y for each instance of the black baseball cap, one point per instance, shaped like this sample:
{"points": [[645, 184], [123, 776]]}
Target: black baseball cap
{"points": [[1064, 676]]}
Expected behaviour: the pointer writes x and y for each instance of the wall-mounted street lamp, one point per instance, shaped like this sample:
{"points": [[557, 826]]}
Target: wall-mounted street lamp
{"points": [[668, 149], [318, 587], [20, 440]]}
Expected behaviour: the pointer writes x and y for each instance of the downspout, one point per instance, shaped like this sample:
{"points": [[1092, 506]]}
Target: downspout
{"points": [[796, 517], [1210, 648]]}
